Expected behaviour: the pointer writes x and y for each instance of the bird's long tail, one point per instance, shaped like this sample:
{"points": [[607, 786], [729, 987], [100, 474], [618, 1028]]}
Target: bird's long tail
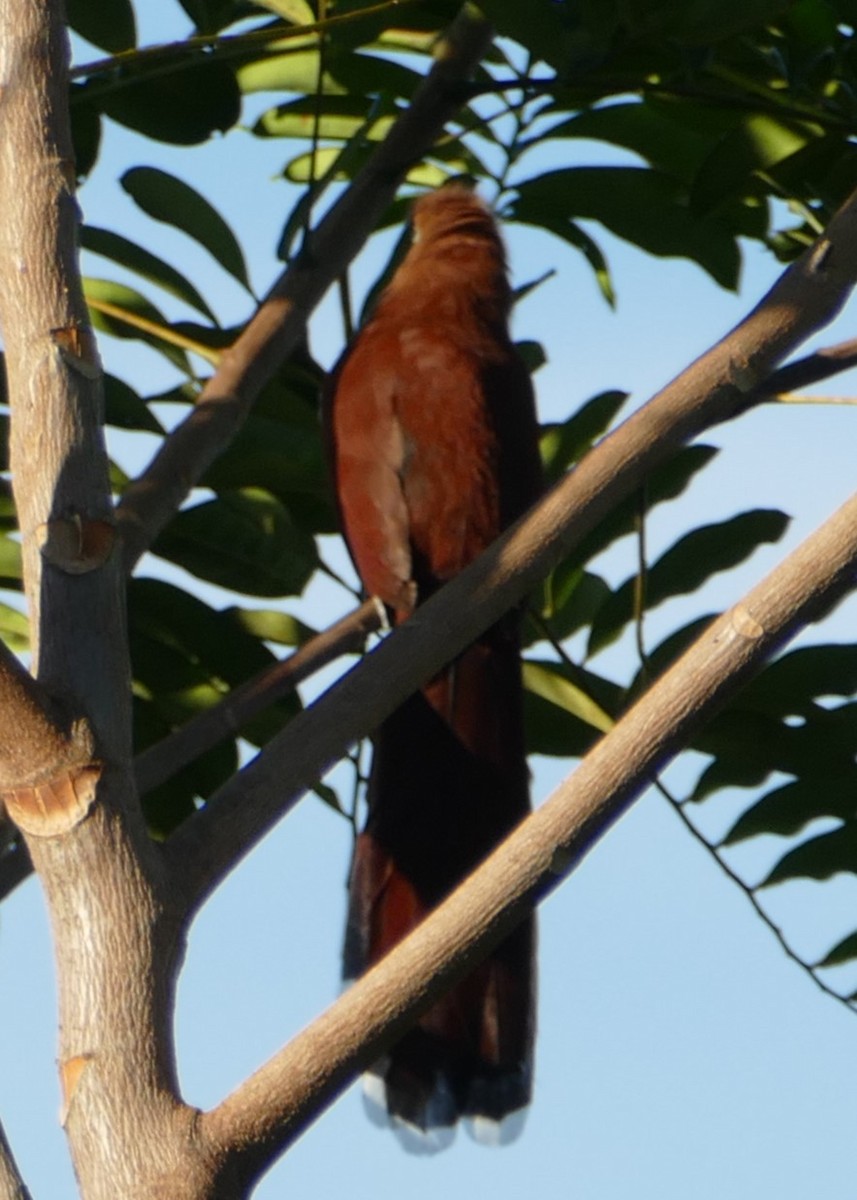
{"points": [[448, 781]]}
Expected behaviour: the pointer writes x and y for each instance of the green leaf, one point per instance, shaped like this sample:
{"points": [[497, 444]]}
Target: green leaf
{"points": [[118, 479], [791, 684], [665, 483], [124, 409], [279, 449], [566, 692], [271, 625], [328, 796], [523, 290], [108, 24], [350, 154], [166, 198], [699, 23], [563, 445], [372, 75], [85, 133], [748, 746], [370, 26], [210, 16], [113, 308], [296, 69], [179, 643], [167, 806], [279, 456], [686, 566], [844, 951], [245, 541], [759, 143], [648, 128], [787, 810], [296, 11], [572, 597], [10, 563], [128, 254], [533, 354], [187, 656], [560, 34], [569, 231], [185, 394], [14, 629], [182, 107], [821, 857], [566, 708], [645, 207], [331, 118], [826, 167], [306, 168]]}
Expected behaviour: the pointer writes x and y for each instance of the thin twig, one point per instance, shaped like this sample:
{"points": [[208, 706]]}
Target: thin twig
{"points": [[827, 401], [750, 894], [543, 624], [224, 720], [810, 369]]}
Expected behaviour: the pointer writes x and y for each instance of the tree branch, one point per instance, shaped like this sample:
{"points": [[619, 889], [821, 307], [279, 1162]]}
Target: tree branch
{"points": [[116, 938], [266, 1113], [808, 294], [813, 368], [161, 761], [11, 1184], [272, 334]]}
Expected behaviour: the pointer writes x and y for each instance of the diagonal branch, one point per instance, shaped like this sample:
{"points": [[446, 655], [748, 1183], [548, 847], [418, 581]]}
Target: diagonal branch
{"points": [[813, 368], [272, 334], [267, 1112], [161, 761], [12, 1186], [805, 297], [28, 724]]}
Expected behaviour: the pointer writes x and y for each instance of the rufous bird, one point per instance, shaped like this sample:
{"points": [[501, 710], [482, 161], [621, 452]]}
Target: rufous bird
{"points": [[434, 447]]}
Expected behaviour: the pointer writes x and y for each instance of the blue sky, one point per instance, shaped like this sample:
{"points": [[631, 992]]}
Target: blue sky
{"points": [[680, 1053]]}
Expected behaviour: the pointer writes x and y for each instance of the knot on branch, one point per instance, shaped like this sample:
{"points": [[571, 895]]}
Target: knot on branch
{"points": [[745, 624], [76, 544], [77, 345], [56, 805]]}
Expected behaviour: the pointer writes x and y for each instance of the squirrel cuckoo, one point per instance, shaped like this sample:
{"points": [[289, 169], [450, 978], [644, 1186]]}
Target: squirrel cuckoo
{"points": [[433, 440]]}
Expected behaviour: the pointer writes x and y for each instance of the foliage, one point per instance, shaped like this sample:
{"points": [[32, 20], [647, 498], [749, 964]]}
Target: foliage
{"points": [[725, 120]]}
